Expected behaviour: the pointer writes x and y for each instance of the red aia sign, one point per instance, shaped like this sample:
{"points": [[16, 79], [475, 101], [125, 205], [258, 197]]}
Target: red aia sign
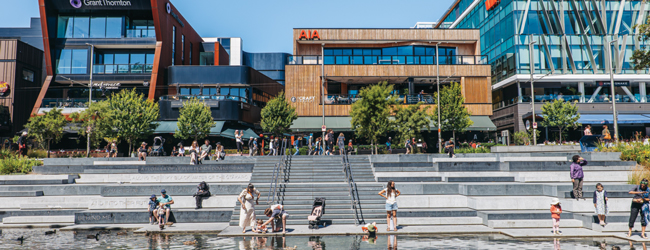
{"points": [[309, 35], [490, 4]]}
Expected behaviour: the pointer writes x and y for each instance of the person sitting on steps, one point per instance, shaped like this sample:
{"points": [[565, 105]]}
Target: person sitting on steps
{"points": [[202, 191]]}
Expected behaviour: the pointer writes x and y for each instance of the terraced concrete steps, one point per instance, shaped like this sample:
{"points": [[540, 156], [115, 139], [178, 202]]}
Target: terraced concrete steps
{"points": [[20, 193]]}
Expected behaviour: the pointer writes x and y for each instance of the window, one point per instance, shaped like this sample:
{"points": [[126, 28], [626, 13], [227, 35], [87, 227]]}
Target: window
{"points": [[390, 55], [72, 61], [191, 49], [89, 27], [113, 27], [97, 27], [28, 75], [81, 27], [173, 44], [182, 49]]}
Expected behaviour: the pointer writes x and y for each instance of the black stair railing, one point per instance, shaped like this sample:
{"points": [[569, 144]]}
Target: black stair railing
{"points": [[275, 179], [354, 192]]}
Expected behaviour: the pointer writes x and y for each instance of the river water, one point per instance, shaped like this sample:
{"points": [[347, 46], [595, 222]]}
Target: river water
{"points": [[36, 239]]}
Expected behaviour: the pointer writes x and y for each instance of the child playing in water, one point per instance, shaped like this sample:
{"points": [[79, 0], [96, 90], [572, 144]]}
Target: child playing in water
{"points": [[261, 228], [370, 228], [161, 217], [556, 210]]}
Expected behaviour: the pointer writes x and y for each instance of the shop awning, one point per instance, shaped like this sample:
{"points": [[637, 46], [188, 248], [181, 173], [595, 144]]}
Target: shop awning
{"points": [[230, 133], [169, 127], [608, 118], [313, 124], [342, 123]]}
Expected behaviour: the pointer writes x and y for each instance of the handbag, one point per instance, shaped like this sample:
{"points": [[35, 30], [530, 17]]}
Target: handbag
{"points": [[607, 137]]}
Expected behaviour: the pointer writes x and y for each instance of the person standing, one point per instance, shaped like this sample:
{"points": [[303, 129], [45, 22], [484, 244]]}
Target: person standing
{"points": [[600, 203], [556, 210], [607, 137], [389, 143], [588, 130], [113, 150], [255, 146], [296, 145], [22, 144], [247, 212], [341, 143], [250, 146], [407, 145], [637, 206], [240, 144], [310, 145], [330, 142], [577, 175], [390, 194], [317, 145], [350, 148], [202, 191], [272, 147]]}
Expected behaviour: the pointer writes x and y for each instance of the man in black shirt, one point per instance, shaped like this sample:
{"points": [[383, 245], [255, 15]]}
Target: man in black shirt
{"points": [[640, 193], [203, 191], [449, 147], [22, 144]]}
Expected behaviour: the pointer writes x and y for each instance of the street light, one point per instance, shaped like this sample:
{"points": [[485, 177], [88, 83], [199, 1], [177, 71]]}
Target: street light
{"points": [[438, 96], [532, 87], [322, 85], [611, 84], [90, 96]]}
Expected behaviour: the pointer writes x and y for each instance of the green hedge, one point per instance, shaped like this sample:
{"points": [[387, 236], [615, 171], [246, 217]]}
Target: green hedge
{"points": [[12, 163]]}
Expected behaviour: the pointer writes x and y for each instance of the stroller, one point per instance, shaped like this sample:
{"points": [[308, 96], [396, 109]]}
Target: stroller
{"points": [[158, 149], [317, 211]]}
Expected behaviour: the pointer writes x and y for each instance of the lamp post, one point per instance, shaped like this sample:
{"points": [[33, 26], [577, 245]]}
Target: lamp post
{"points": [[532, 87], [438, 97], [322, 85], [90, 96], [611, 84]]}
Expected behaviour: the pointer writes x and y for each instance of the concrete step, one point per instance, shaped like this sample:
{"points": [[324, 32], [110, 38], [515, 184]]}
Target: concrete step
{"points": [[548, 223], [329, 211], [409, 179], [437, 212], [142, 216], [37, 179], [587, 206], [427, 221], [165, 178], [329, 202], [20, 193], [53, 212], [615, 227], [520, 215], [592, 176], [610, 194], [98, 202], [481, 179], [38, 219], [304, 222]]}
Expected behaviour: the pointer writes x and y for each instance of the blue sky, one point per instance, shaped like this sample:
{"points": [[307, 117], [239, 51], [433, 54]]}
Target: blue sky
{"points": [[265, 26]]}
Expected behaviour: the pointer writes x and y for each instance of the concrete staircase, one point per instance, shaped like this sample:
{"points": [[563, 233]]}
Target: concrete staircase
{"points": [[310, 177]]}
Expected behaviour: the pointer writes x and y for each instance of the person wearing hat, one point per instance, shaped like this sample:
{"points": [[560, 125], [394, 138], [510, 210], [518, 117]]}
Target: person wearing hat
{"points": [[640, 199], [153, 214], [165, 201], [556, 210], [22, 144], [142, 151]]}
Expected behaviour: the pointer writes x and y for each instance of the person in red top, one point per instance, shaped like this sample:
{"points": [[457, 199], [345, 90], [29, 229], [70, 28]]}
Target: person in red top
{"points": [[556, 210]]}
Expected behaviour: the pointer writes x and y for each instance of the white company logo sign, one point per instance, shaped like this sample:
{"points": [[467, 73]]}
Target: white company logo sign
{"points": [[78, 3]]}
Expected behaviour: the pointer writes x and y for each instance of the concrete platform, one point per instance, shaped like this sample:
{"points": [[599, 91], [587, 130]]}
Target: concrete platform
{"points": [[473, 159], [127, 163], [508, 224], [20, 193], [184, 228], [548, 233], [37, 219], [163, 178], [550, 158], [234, 231]]}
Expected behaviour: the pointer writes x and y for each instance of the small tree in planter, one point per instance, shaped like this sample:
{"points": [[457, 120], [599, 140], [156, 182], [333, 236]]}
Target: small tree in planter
{"points": [[194, 121], [132, 116], [454, 116], [410, 120], [560, 114], [370, 113], [278, 115], [47, 128]]}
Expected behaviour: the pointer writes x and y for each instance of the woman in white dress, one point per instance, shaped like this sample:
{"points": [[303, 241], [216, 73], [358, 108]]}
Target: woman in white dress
{"points": [[247, 212]]}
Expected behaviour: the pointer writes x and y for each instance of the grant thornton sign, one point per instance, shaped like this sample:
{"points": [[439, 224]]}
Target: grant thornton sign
{"points": [[78, 3], [102, 4]]}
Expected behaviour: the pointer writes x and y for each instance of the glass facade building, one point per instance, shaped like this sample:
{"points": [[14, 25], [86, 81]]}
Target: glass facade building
{"points": [[573, 43]]}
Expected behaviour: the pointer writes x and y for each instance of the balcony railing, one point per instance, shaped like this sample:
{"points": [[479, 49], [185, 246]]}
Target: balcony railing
{"points": [[387, 60], [138, 33], [401, 99], [67, 102], [572, 98], [204, 97], [122, 68]]}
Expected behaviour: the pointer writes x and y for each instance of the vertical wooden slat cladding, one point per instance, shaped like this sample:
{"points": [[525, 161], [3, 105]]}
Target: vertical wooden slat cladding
{"points": [[476, 89], [471, 35], [9, 49]]}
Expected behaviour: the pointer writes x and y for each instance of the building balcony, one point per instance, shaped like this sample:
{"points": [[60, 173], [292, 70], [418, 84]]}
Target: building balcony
{"points": [[387, 60], [401, 99], [573, 98], [122, 68]]}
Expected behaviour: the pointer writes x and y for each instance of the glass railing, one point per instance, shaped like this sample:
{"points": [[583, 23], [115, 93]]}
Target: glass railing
{"points": [[204, 97], [139, 33], [387, 60], [122, 68], [67, 102], [401, 99], [578, 98]]}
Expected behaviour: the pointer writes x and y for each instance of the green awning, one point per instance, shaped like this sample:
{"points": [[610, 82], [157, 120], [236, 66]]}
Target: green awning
{"points": [[342, 123], [313, 124], [248, 133], [169, 127]]}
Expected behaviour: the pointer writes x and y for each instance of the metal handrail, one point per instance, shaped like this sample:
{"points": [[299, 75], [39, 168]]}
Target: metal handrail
{"points": [[352, 186], [273, 192]]}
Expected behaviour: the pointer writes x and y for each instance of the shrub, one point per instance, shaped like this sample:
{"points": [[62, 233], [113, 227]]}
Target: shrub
{"points": [[521, 138], [472, 150], [37, 153], [12, 163]]}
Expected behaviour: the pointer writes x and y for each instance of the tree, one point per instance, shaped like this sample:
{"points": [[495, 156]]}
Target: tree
{"points": [[641, 57], [560, 114], [278, 115], [370, 113], [195, 120], [132, 115], [454, 116], [47, 128], [97, 117], [410, 120]]}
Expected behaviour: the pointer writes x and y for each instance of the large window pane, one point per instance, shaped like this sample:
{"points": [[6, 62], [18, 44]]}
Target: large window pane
{"points": [[150, 58], [114, 27], [63, 62], [65, 26], [195, 91], [405, 51], [79, 61], [81, 25], [108, 58], [185, 91], [389, 51], [137, 59], [98, 27], [121, 58]]}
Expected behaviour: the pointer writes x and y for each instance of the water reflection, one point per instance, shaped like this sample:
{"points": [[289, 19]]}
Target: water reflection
{"points": [[36, 239]]}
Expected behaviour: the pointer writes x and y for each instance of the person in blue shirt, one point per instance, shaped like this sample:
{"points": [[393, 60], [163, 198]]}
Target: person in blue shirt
{"points": [[153, 203], [296, 145], [165, 201]]}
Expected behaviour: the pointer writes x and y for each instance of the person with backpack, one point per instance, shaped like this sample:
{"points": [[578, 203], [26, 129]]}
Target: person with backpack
{"points": [[407, 145], [202, 191]]}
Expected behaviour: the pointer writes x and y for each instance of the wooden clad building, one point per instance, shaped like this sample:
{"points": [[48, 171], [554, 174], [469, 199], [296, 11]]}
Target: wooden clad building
{"points": [[355, 58]]}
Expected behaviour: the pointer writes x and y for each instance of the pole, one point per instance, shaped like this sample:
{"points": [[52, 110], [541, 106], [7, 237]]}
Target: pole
{"points": [[532, 87], [438, 96], [611, 84], [322, 85], [90, 96]]}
